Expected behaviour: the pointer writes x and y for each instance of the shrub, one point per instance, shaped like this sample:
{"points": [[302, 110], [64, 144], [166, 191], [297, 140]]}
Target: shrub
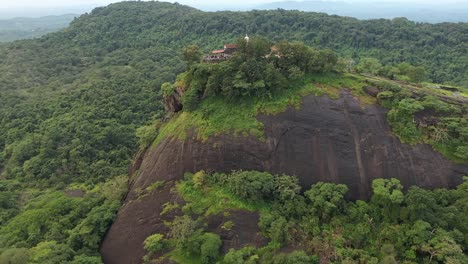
{"points": [[209, 249], [190, 99], [241, 256], [167, 89], [388, 86], [326, 199], [147, 134], [416, 74], [385, 95], [251, 185], [286, 187], [15, 256], [89, 231], [462, 152], [279, 230], [115, 188], [199, 179], [183, 227], [155, 243], [387, 191], [401, 119], [50, 252], [439, 106], [369, 65], [83, 259], [295, 74], [191, 54], [296, 257]]}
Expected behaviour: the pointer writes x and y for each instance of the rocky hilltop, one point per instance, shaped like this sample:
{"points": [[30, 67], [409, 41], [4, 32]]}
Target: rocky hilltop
{"points": [[340, 141]]}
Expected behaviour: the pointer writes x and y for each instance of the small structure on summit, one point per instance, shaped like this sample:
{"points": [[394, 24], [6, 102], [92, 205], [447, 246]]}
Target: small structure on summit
{"points": [[222, 54]]}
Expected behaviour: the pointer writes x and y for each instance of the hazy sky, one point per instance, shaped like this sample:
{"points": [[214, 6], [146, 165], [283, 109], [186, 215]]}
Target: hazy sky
{"points": [[55, 3]]}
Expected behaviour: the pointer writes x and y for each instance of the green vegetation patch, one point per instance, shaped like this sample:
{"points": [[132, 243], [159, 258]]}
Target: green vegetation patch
{"points": [[155, 186], [217, 115], [52, 227], [179, 256], [316, 223], [418, 117], [214, 116], [212, 200]]}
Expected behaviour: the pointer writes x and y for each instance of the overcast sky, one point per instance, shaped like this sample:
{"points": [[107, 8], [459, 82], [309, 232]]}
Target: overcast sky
{"points": [[56, 3]]}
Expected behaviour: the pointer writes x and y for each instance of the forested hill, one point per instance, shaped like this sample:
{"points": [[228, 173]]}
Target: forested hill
{"points": [[71, 103], [120, 33]]}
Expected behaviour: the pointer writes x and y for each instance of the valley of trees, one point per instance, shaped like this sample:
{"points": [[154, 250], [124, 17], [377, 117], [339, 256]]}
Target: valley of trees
{"points": [[316, 225], [73, 102]]}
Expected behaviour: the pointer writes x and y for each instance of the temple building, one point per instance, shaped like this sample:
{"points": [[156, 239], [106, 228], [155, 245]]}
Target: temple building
{"points": [[222, 54]]}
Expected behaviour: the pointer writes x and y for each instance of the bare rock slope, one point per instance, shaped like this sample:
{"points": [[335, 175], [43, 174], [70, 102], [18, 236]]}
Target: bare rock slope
{"points": [[329, 140]]}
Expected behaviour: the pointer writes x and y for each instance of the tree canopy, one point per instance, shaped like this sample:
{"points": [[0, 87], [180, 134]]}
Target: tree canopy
{"points": [[319, 224]]}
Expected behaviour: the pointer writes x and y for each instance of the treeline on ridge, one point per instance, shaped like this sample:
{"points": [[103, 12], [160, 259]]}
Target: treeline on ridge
{"points": [[258, 69]]}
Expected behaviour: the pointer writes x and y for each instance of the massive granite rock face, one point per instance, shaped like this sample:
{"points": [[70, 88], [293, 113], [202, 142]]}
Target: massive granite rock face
{"points": [[328, 140]]}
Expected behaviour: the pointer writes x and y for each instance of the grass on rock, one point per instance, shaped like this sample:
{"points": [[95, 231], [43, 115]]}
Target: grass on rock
{"points": [[217, 115]]}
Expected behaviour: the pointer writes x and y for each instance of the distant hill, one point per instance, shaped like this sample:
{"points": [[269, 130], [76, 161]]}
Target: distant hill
{"points": [[26, 28], [432, 13], [45, 10]]}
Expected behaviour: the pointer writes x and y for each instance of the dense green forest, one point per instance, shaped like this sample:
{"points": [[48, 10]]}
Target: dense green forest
{"points": [[72, 103], [316, 225], [25, 28], [427, 11]]}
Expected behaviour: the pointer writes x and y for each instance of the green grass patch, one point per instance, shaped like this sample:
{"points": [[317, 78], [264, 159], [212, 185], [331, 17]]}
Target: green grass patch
{"points": [[340, 80], [212, 200], [214, 116], [217, 115], [448, 150], [167, 207], [228, 225], [155, 186], [179, 257], [148, 190], [293, 97], [337, 81]]}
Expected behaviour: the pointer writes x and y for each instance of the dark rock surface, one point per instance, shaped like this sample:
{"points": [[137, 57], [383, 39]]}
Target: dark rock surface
{"points": [[371, 90], [173, 102], [328, 140]]}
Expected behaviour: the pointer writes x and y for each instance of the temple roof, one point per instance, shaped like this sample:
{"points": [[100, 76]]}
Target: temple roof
{"points": [[230, 46]]}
